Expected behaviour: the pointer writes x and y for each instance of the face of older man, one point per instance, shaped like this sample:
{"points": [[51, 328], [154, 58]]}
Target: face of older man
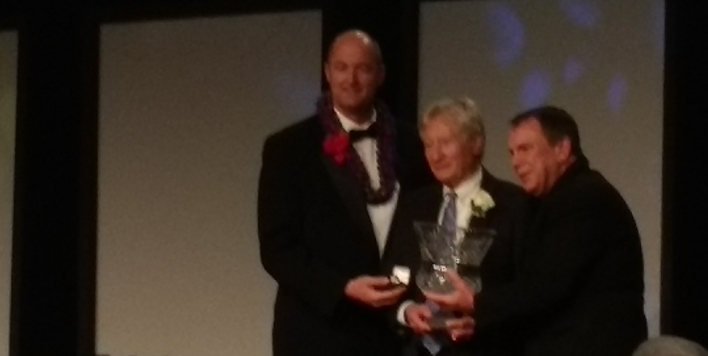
{"points": [[536, 162], [452, 155], [354, 73]]}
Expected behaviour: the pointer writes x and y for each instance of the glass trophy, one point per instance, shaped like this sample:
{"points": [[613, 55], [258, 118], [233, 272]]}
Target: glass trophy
{"points": [[443, 249]]}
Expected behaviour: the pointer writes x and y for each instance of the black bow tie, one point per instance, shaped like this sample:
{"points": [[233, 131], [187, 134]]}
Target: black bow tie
{"points": [[356, 135]]}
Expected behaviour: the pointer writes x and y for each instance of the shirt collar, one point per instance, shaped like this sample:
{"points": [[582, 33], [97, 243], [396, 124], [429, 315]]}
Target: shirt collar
{"points": [[349, 124], [468, 187]]}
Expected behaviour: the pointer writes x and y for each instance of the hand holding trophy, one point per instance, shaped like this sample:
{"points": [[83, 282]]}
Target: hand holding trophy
{"points": [[445, 250]]}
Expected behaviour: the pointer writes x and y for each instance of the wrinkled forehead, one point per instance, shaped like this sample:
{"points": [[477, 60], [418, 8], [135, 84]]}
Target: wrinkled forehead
{"points": [[442, 127]]}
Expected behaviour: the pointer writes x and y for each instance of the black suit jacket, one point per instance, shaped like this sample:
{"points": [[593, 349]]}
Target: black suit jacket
{"points": [[315, 235], [500, 265], [581, 287]]}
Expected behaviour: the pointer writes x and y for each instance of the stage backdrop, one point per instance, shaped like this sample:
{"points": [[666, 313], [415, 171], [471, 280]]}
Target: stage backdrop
{"points": [[184, 109], [185, 106], [601, 60], [8, 96]]}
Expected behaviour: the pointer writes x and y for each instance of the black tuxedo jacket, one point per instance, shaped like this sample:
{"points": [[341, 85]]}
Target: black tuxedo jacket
{"points": [[499, 266], [581, 287], [315, 235]]}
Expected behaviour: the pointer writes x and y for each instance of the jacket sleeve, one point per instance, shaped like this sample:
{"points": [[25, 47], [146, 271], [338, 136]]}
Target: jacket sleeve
{"points": [[576, 232], [281, 230]]}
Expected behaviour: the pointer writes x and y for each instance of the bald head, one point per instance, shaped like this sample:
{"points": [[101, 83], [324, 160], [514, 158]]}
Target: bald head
{"points": [[354, 72], [354, 35]]}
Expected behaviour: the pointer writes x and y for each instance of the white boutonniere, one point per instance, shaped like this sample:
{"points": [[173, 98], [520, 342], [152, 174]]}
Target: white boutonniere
{"points": [[481, 203]]}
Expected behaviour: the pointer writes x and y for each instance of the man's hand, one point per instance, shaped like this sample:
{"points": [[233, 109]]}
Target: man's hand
{"points": [[373, 291], [460, 329], [461, 299], [417, 316]]}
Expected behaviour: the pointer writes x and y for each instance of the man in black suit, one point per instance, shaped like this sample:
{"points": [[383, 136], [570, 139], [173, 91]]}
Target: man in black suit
{"points": [[328, 191], [454, 137], [581, 287]]}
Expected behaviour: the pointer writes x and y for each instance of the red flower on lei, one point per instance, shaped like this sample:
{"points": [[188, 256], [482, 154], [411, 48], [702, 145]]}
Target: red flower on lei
{"points": [[336, 146]]}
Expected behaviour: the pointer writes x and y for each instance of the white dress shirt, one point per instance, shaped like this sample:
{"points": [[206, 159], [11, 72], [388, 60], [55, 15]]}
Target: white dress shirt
{"points": [[465, 191], [381, 215]]}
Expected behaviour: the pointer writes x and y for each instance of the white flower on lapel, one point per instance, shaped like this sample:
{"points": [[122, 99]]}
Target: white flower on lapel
{"points": [[481, 203]]}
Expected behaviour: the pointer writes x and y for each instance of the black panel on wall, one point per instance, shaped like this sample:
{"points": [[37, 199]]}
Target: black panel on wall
{"points": [[150, 10], [9, 14], [54, 228], [685, 227]]}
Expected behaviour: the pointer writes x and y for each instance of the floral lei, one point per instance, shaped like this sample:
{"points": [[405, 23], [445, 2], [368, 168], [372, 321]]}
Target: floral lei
{"points": [[337, 146]]}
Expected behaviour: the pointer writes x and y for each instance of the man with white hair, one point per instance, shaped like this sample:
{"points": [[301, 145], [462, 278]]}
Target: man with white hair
{"points": [[581, 288], [465, 196]]}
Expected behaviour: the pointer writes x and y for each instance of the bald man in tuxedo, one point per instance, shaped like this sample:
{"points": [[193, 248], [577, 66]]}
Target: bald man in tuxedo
{"points": [[328, 192]]}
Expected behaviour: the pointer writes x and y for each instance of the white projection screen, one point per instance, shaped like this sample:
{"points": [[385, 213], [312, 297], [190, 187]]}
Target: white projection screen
{"points": [[184, 108], [8, 102], [601, 60]]}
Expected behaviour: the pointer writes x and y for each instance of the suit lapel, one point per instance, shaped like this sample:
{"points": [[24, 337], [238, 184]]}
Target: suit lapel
{"points": [[424, 207], [489, 184], [431, 205], [353, 199]]}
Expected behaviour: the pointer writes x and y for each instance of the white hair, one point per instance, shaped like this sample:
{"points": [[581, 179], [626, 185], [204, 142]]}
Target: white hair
{"points": [[669, 346], [462, 111]]}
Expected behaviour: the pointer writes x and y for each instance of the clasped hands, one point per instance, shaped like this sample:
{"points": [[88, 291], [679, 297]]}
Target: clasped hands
{"points": [[373, 291], [377, 292], [460, 301]]}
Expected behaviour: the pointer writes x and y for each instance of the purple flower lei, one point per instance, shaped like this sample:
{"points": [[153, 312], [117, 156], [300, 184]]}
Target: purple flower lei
{"points": [[384, 143]]}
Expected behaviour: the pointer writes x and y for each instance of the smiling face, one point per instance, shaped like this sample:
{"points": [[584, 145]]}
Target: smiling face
{"points": [[452, 154], [354, 73], [537, 163]]}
